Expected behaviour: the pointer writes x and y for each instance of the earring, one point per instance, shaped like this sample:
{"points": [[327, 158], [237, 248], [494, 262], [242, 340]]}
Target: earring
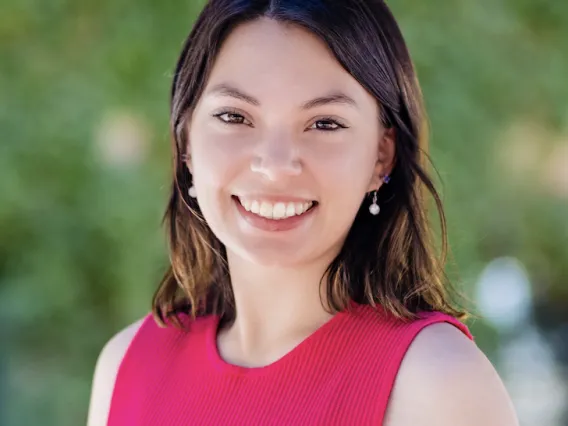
{"points": [[374, 208], [192, 192], [386, 179]]}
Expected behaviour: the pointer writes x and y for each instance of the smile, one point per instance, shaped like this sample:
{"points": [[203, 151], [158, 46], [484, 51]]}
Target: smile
{"points": [[275, 210]]}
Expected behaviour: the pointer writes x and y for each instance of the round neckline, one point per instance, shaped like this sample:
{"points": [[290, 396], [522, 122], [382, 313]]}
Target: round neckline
{"points": [[223, 366]]}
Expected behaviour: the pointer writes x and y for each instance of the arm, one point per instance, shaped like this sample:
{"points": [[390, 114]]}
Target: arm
{"points": [[105, 374], [445, 380]]}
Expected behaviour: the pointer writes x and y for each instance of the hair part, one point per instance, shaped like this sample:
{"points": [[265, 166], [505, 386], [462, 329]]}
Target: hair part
{"points": [[392, 262]]}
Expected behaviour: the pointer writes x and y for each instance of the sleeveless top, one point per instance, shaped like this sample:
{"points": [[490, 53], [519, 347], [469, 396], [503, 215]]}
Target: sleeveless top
{"points": [[342, 374]]}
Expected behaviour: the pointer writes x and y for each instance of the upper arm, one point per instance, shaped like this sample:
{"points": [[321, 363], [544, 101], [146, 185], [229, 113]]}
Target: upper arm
{"points": [[447, 381], [106, 370]]}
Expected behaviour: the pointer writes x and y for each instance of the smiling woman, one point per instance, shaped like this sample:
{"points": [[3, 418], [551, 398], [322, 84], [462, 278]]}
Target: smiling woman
{"points": [[292, 297]]}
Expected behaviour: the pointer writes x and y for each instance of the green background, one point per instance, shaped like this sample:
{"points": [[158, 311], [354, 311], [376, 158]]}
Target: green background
{"points": [[85, 168]]}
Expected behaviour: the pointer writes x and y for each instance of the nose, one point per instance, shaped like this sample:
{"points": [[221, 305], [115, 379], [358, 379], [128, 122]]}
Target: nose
{"points": [[276, 158]]}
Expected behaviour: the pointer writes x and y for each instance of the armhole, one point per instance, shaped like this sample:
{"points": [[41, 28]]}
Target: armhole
{"points": [[128, 354], [438, 317], [107, 371], [126, 358], [404, 338]]}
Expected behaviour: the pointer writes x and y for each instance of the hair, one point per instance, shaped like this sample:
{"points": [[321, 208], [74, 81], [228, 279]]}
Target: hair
{"points": [[394, 260]]}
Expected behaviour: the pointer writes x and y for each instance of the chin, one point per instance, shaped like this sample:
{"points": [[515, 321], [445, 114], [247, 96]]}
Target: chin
{"points": [[274, 256]]}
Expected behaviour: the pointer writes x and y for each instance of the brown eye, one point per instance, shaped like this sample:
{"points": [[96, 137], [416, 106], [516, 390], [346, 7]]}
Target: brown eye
{"points": [[229, 117], [327, 125], [233, 118]]}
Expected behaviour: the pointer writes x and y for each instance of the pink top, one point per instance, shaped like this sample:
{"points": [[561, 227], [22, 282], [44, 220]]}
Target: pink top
{"points": [[342, 374]]}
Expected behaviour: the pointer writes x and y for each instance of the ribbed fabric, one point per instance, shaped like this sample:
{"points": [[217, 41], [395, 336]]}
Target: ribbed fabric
{"points": [[342, 374]]}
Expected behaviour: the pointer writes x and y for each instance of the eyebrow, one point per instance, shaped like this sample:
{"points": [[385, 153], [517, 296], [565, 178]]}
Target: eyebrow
{"points": [[224, 89]]}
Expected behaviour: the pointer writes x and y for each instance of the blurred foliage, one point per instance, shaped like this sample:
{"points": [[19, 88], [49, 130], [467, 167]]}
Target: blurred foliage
{"points": [[84, 167]]}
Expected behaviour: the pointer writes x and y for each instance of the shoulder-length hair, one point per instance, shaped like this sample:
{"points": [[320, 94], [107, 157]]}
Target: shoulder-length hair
{"points": [[391, 260]]}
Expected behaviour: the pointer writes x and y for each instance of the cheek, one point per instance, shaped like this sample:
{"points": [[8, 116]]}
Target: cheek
{"points": [[345, 173], [217, 159], [346, 168]]}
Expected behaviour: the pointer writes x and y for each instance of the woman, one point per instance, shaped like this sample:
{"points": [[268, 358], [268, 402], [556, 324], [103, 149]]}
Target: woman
{"points": [[304, 286]]}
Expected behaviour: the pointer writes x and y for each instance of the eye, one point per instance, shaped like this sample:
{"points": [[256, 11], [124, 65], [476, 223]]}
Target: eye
{"points": [[232, 117], [327, 124]]}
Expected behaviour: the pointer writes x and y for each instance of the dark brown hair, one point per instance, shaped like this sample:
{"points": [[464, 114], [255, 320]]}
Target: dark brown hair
{"points": [[390, 260]]}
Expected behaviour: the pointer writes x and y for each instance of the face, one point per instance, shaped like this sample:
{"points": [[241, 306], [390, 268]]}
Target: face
{"points": [[284, 144]]}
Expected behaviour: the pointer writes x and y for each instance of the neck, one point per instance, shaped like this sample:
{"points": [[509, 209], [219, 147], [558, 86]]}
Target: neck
{"points": [[276, 308]]}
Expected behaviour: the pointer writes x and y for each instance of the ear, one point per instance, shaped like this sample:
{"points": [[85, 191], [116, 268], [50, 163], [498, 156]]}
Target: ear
{"points": [[187, 159], [386, 156], [186, 154]]}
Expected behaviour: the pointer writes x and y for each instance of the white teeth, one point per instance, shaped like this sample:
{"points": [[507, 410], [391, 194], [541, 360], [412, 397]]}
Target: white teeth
{"points": [[290, 209], [279, 211], [276, 211], [266, 210]]}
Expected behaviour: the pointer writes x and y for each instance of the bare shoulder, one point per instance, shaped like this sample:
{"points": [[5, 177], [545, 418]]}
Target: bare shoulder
{"points": [[106, 370], [447, 380]]}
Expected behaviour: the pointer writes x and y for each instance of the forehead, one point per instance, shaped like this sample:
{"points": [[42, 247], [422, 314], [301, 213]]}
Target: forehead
{"points": [[287, 61]]}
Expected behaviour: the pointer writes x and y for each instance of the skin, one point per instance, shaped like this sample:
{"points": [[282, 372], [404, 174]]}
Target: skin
{"points": [[445, 380], [105, 374], [265, 75], [276, 150]]}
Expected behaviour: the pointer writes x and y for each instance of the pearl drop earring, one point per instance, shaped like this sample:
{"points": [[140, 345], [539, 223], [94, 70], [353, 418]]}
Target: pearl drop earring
{"points": [[192, 192], [374, 208]]}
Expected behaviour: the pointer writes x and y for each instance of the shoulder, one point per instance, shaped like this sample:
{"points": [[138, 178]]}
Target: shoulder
{"points": [[153, 342], [448, 381], [106, 370]]}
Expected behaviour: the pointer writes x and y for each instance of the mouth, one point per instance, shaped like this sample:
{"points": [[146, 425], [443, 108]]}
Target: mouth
{"points": [[276, 210]]}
